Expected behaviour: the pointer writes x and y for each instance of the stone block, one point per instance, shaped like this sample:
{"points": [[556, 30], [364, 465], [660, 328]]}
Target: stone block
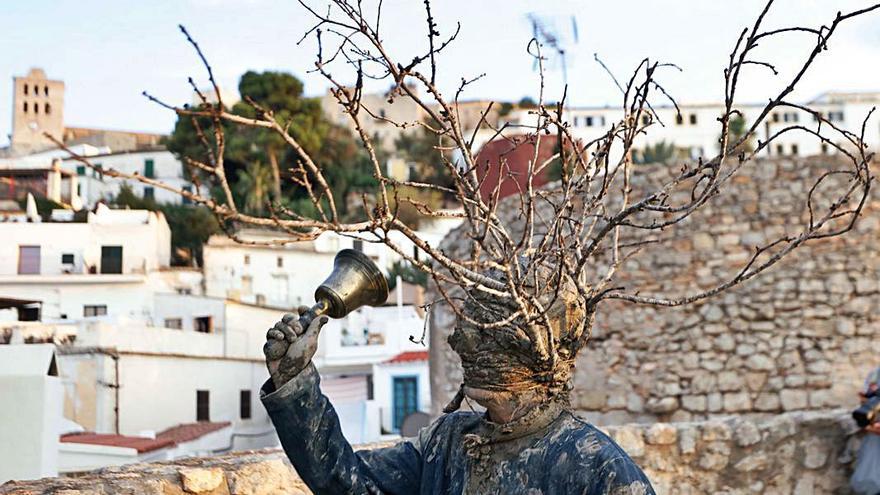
{"points": [[746, 433], [793, 400], [695, 403], [630, 440], [729, 381], [737, 401], [661, 434], [203, 480]]}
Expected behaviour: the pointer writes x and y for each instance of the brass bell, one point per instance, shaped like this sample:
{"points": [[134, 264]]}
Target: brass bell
{"points": [[354, 282]]}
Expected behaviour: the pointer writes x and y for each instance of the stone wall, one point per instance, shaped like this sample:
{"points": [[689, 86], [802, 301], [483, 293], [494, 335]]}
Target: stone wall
{"points": [[801, 336], [802, 453]]}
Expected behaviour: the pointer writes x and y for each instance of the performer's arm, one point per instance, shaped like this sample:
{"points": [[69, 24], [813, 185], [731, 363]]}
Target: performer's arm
{"points": [[310, 432]]}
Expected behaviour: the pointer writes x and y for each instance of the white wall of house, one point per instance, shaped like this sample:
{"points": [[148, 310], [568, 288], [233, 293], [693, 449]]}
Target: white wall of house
{"points": [[698, 130], [30, 415], [166, 168], [383, 386], [75, 457], [144, 236]]}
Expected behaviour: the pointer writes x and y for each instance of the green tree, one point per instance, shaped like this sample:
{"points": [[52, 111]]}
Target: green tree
{"points": [[408, 273], [257, 160], [738, 128], [527, 102], [656, 153]]}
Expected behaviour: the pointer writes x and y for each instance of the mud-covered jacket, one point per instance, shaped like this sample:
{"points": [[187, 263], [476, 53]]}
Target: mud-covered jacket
{"points": [[450, 456]]}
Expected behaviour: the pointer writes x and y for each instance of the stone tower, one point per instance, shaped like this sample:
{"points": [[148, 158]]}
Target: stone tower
{"points": [[38, 107]]}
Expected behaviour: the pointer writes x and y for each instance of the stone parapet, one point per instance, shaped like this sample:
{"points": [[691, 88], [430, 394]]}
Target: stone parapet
{"points": [[799, 452]]}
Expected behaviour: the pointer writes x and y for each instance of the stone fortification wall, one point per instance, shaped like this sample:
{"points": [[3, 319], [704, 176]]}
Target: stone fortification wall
{"points": [[802, 336], [791, 453]]}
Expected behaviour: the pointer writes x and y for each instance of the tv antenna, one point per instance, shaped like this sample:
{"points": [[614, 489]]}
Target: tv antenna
{"points": [[546, 31]]}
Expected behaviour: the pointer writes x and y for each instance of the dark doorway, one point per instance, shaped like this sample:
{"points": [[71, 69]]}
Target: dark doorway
{"points": [[111, 259]]}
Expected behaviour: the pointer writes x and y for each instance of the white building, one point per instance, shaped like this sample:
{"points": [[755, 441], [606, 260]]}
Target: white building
{"points": [[275, 271], [30, 416], [91, 186], [697, 130], [111, 264], [159, 164]]}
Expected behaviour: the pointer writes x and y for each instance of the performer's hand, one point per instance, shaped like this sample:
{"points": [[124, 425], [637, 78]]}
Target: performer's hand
{"points": [[289, 348], [873, 428]]}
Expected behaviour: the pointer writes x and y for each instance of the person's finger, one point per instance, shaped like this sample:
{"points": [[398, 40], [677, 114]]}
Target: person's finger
{"points": [[316, 324], [287, 318], [311, 336], [287, 330], [273, 334], [303, 309]]}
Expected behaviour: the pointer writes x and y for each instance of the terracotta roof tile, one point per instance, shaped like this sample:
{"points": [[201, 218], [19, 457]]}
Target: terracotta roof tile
{"points": [[409, 356], [188, 432], [141, 444], [168, 438]]}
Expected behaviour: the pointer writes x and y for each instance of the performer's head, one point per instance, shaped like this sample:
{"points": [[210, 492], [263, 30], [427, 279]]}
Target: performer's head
{"points": [[521, 347]]}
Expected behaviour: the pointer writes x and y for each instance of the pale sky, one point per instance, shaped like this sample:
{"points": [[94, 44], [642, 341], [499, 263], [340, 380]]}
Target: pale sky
{"points": [[108, 52]]}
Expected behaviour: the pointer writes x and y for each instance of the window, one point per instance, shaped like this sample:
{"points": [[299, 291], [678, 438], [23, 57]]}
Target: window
{"points": [[824, 148], [370, 392], [404, 402], [46, 90], [358, 245], [149, 193], [693, 119], [260, 299], [203, 324], [67, 259], [80, 170], [780, 150], [775, 117], [28, 260], [645, 120], [577, 121], [279, 262], [790, 117], [247, 284], [602, 120], [382, 113], [186, 200], [25, 107], [835, 116], [94, 310], [415, 253], [247, 259], [794, 149], [174, 323], [36, 108], [48, 109], [280, 288], [589, 121], [111, 259], [149, 167], [98, 171], [36, 90], [679, 119], [25, 89], [203, 405], [244, 406]]}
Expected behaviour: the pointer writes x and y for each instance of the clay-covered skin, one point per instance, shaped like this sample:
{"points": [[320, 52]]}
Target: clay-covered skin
{"points": [[546, 451]]}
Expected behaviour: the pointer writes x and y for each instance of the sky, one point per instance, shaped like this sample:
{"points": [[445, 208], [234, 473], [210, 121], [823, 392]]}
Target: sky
{"points": [[108, 52]]}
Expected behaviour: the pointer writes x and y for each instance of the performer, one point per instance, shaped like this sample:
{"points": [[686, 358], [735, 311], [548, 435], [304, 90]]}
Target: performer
{"points": [[527, 441]]}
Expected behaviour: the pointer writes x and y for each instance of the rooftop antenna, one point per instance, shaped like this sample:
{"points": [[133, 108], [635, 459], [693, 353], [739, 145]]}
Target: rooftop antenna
{"points": [[545, 30]]}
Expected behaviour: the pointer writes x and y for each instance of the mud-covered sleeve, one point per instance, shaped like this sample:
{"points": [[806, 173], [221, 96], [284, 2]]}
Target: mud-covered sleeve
{"points": [[311, 436], [617, 474]]}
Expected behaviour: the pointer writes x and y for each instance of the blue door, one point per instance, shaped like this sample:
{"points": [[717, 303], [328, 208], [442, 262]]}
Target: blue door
{"points": [[405, 399]]}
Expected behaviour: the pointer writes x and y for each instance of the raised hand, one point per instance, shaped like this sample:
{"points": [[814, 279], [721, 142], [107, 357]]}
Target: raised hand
{"points": [[289, 348]]}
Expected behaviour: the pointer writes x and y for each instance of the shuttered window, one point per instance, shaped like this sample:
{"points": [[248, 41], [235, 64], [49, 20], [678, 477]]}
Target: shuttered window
{"points": [[29, 260]]}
